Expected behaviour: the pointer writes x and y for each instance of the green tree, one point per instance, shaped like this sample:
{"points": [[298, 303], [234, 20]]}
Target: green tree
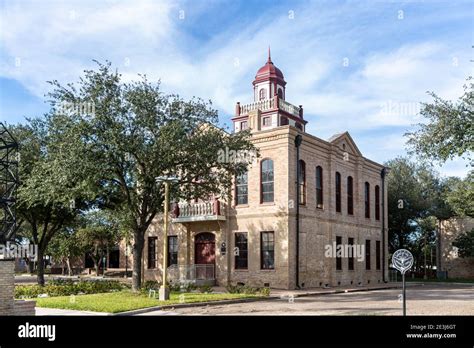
{"points": [[138, 133], [459, 195], [465, 244], [410, 184], [449, 131], [52, 190], [98, 234], [64, 247]]}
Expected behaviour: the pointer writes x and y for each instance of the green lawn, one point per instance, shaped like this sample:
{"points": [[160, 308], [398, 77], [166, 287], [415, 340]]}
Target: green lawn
{"points": [[116, 302]]}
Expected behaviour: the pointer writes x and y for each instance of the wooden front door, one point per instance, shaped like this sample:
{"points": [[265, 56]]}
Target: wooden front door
{"points": [[205, 255]]}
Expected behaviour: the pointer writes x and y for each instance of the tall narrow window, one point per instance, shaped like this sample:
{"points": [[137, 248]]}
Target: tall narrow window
{"points": [[172, 250], [267, 250], [241, 189], [302, 180], [338, 192], [263, 94], [152, 252], [267, 181], [350, 259], [338, 253], [377, 202], [367, 200], [243, 125], [280, 93], [350, 195], [241, 250], [377, 254], [367, 254], [319, 187]]}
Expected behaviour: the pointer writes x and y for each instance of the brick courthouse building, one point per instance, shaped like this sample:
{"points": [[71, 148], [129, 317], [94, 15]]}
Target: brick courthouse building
{"points": [[252, 239]]}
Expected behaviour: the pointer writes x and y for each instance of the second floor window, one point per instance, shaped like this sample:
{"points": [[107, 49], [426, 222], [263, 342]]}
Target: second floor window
{"points": [[266, 121], [172, 250], [152, 252], [267, 177], [243, 125], [367, 200], [377, 202], [350, 195], [319, 187], [338, 192], [241, 189], [302, 180]]}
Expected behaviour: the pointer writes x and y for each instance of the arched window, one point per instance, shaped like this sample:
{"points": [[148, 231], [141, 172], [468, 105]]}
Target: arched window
{"points": [[280, 93], [262, 94], [377, 202], [350, 195], [302, 180], [241, 189], [338, 192], [367, 200], [319, 187], [267, 177]]}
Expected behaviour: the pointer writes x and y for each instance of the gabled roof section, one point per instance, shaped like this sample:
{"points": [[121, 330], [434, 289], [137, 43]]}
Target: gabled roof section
{"points": [[345, 138]]}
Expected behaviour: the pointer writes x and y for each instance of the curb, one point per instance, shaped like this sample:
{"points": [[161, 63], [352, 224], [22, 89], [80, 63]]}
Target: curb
{"points": [[195, 304]]}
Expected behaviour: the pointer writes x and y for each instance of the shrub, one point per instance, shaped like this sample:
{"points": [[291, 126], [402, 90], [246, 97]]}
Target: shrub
{"points": [[205, 289], [245, 289], [68, 288]]}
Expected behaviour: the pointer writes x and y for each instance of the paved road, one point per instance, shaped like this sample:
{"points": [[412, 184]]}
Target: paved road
{"points": [[421, 300]]}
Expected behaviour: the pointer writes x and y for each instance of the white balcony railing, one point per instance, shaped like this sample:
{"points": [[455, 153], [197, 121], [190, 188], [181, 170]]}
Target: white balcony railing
{"points": [[203, 211], [261, 105], [270, 104]]}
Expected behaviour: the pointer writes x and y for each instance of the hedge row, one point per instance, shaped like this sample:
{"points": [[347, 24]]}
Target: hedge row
{"points": [[68, 288]]}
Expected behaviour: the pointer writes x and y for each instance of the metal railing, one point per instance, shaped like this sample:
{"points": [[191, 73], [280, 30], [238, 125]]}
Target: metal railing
{"points": [[191, 273]]}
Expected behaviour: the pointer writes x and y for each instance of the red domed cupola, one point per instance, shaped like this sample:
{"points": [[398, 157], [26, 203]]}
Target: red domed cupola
{"points": [[269, 81], [269, 72]]}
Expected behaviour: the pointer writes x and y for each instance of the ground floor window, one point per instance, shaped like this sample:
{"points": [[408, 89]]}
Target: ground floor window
{"points": [[338, 253], [367, 254], [172, 250], [377, 254], [152, 252], [267, 250], [350, 262], [241, 250]]}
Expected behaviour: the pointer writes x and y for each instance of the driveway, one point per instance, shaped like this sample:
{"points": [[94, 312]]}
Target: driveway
{"points": [[430, 299]]}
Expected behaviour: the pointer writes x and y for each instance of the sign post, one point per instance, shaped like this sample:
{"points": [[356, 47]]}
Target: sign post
{"points": [[402, 260]]}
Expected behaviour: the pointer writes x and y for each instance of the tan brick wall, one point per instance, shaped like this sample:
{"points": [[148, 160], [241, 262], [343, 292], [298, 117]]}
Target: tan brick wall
{"points": [[318, 227], [456, 266], [24, 308], [7, 286]]}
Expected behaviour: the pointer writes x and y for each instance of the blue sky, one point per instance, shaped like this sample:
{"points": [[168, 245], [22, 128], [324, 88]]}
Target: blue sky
{"points": [[353, 65]]}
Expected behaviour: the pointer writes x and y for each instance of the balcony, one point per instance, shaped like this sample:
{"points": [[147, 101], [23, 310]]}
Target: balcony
{"points": [[270, 105], [204, 211]]}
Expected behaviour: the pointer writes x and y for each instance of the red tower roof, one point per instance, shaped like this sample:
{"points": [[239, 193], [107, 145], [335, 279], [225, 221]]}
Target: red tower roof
{"points": [[269, 72]]}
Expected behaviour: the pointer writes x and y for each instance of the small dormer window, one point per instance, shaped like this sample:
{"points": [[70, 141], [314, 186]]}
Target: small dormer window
{"points": [[262, 94], [343, 146]]}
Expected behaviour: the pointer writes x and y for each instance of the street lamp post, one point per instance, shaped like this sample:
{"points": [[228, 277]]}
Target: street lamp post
{"points": [[164, 293]]}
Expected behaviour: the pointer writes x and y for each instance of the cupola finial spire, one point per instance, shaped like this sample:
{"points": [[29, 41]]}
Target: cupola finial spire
{"points": [[269, 55]]}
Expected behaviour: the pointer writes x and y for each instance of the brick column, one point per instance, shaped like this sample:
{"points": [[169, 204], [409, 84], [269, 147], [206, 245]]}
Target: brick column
{"points": [[7, 285]]}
